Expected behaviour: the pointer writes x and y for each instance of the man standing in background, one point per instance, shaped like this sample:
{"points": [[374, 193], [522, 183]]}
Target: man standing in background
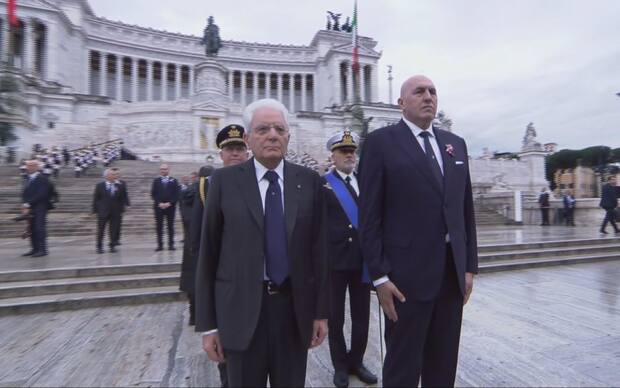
{"points": [[165, 194]]}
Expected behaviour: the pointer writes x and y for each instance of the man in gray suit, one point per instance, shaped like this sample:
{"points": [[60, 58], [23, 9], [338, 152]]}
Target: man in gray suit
{"points": [[261, 282]]}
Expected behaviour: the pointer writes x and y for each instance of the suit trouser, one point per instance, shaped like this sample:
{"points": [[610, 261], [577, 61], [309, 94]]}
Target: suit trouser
{"points": [[424, 342], [113, 219], [275, 351], [359, 302], [570, 216], [610, 217], [168, 214], [117, 236], [545, 215], [38, 236]]}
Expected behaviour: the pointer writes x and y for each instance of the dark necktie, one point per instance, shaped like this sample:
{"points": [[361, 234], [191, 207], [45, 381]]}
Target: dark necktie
{"points": [[349, 187], [275, 231], [432, 160]]}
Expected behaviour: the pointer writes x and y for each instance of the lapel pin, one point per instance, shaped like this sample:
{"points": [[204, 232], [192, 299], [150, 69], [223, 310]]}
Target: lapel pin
{"points": [[299, 186]]}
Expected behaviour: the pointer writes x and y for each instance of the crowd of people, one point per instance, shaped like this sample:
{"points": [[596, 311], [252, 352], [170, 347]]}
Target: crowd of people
{"points": [[54, 158]]}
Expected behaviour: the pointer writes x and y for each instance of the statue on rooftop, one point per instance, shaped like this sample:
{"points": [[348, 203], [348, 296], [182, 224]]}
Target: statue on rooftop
{"points": [[211, 38]]}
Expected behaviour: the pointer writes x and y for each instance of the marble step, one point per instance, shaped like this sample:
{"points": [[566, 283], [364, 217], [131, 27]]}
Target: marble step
{"points": [[517, 264], [549, 252], [610, 239], [88, 272], [80, 300], [31, 288]]}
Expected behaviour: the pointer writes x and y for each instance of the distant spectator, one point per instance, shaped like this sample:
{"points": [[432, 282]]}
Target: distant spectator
{"points": [[569, 208], [543, 202], [609, 202]]}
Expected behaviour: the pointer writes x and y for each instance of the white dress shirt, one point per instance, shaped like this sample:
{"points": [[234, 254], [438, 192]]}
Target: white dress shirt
{"points": [[354, 184], [433, 140]]}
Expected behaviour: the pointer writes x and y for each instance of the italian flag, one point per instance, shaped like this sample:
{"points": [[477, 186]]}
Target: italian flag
{"points": [[356, 57], [10, 10]]}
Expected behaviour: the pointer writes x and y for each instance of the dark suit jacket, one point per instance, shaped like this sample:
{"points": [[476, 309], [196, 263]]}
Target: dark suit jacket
{"points": [[543, 200], [186, 202], [402, 211], [344, 254], [165, 193], [609, 197], [38, 193], [230, 273], [104, 204], [197, 213]]}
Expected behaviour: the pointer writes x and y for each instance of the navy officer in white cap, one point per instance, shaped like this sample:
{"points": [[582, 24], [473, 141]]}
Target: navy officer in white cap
{"points": [[346, 264]]}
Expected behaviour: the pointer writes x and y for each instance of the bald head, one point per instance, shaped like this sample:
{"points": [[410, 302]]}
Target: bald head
{"points": [[418, 100]]}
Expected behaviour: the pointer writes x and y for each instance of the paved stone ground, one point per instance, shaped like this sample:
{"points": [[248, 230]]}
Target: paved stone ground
{"points": [[557, 326]]}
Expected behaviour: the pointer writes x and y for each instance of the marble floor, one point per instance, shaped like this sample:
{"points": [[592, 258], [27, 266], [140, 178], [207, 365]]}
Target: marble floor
{"points": [[80, 251], [556, 326]]}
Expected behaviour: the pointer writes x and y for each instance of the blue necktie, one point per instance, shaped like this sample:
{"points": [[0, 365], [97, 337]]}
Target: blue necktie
{"points": [[275, 231], [432, 160]]}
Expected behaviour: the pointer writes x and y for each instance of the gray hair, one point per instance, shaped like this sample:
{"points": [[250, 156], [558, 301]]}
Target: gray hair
{"points": [[248, 112], [107, 171]]}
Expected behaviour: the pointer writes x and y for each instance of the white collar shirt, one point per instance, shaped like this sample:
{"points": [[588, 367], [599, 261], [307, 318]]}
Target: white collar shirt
{"points": [[263, 183], [433, 140], [354, 183]]}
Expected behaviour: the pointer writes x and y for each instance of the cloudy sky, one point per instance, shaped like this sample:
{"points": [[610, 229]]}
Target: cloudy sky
{"points": [[497, 64]]}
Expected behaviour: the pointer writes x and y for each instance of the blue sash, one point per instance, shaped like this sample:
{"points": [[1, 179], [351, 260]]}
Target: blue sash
{"points": [[347, 202]]}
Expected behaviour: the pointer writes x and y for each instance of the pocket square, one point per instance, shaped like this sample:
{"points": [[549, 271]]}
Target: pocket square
{"points": [[458, 162]]}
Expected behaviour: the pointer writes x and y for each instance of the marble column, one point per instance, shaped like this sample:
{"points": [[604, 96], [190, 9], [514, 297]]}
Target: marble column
{"points": [[362, 77], [255, 83], [279, 82], [177, 82], [349, 73], [119, 78], [134, 79], [374, 85], [191, 81], [267, 85], [28, 53], [242, 89], [303, 92], [88, 88], [291, 93], [149, 80], [164, 81], [4, 45], [231, 85], [103, 74]]}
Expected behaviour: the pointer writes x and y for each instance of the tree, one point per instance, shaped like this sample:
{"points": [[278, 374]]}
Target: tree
{"points": [[7, 134], [443, 121]]}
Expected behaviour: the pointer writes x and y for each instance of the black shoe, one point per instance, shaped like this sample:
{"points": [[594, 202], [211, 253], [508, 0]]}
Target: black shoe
{"points": [[159, 249], [603, 232], [172, 248], [99, 251], [341, 378], [40, 254], [192, 321], [364, 374], [112, 249], [29, 253], [117, 243]]}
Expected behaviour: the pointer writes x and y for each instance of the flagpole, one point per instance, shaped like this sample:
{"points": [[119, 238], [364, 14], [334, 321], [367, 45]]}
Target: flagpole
{"points": [[355, 63]]}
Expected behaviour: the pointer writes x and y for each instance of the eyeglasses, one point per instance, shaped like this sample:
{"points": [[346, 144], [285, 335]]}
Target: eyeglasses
{"points": [[263, 129]]}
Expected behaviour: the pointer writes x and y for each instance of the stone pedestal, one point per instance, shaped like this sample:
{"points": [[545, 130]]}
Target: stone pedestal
{"points": [[210, 104], [536, 163]]}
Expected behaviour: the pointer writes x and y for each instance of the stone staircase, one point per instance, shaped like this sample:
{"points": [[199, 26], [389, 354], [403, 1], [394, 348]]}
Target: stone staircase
{"points": [[72, 214], [488, 217], [32, 291]]}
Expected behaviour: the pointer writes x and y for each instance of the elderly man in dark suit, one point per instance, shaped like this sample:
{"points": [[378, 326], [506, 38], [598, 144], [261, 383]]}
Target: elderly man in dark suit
{"points": [[165, 194], [36, 202], [418, 238], [609, 202], [261, 285], [346, 264], [109, 201]]}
